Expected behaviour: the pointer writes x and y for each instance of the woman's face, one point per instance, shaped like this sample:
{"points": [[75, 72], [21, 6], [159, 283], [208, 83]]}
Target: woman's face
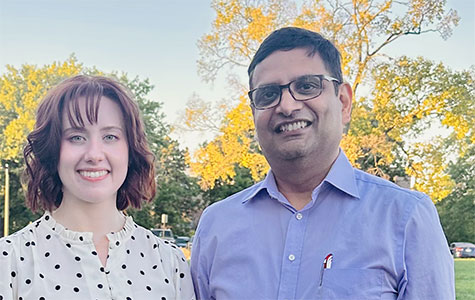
{"points": [[93, 159]]}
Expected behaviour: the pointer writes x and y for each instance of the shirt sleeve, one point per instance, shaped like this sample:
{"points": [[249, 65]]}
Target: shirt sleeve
{"points": [[428, 267], [8, 270], [199, 266], [182, 278]]}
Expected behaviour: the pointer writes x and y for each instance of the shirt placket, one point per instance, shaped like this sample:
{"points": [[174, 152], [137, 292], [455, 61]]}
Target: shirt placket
{"points": [[292, 255]]}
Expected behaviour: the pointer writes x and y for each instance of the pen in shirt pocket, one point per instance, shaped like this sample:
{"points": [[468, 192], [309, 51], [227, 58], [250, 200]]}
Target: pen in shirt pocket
{"points": [[327, 264]]}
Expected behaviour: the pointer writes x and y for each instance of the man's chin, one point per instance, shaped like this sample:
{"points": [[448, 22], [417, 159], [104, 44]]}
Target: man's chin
{"points": [[287, 154]]}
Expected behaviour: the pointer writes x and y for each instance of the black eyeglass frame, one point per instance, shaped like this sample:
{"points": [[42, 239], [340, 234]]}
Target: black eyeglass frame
{"points": [[281, 87]]}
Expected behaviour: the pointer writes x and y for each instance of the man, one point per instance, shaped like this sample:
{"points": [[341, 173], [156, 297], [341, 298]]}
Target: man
{"points": [[315, 228]]}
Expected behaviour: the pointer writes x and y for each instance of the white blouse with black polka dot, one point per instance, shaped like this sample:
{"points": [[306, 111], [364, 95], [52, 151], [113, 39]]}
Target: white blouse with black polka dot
{"points": [[47, 261]]}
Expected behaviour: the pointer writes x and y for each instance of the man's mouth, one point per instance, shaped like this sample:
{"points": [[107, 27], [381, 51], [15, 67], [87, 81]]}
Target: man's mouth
{"points": [[93, 174], [292, 126]]}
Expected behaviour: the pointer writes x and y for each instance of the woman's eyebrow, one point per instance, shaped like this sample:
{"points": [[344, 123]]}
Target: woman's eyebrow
{"points": [[74, 129], [112, 128]]}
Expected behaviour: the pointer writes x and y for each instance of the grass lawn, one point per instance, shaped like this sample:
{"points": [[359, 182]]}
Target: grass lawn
{"points": [[465, 278]]}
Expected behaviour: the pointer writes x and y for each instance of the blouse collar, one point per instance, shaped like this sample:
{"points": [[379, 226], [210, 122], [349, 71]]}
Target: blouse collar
{"points": [[115, 238]]}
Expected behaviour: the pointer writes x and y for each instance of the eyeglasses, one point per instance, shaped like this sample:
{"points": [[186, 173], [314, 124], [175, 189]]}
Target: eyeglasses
{"points": [[302, 89]]}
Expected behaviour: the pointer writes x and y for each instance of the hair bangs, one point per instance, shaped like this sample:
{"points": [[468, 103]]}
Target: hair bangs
{"points": [[87, 95]]}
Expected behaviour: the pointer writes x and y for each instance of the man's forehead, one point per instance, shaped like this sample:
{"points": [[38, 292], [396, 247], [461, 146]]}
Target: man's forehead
{"points": [[283, 65]]}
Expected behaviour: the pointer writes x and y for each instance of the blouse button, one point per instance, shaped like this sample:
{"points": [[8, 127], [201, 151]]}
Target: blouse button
{"points": [[291, 257], [299, 216]]}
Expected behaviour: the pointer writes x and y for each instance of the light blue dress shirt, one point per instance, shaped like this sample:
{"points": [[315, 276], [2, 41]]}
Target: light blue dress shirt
{"points": [[386, 243]]}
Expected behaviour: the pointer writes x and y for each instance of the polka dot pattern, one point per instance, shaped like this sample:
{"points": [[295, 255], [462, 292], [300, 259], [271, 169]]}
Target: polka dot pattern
{"points": [[139, 265]]}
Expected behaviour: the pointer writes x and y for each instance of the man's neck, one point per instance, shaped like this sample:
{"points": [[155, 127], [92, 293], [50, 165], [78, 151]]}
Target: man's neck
{"points": [[297, 179]]}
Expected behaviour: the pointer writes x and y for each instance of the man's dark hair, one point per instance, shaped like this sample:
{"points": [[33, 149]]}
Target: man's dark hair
{"points": [[288, 38]]}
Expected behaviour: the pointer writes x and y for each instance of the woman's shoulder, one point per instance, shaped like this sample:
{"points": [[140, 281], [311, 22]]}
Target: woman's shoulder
{"points": [[16, 243], [24, 235], [7, 245], [164, 247], [11, 247]]}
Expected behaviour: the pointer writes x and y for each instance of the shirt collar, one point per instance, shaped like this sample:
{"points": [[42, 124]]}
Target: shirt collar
{"points": [[341, 176], [267, 184]]}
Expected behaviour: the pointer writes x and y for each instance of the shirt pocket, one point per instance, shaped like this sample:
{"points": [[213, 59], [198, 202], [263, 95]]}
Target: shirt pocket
{"points": [[351, 284]]}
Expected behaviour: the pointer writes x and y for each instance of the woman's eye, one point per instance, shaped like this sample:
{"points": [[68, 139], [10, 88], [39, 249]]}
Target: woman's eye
{"points": [[76, 138], [110, 137]]}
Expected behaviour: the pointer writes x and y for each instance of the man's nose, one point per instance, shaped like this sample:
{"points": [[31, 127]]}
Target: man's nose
{"points": [[288, 104]]}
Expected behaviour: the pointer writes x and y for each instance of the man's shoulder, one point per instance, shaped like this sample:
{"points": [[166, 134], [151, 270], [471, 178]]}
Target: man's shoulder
{"points": [[382, 188]]}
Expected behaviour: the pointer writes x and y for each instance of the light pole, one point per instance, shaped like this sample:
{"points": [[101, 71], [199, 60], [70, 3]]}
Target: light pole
{"points": [[7, 202]]}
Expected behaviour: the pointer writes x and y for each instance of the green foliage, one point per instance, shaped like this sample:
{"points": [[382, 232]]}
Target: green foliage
{"points": [[456, 211], [20, 215], [222, 190], [411, 97], [152, 113], [177, 192], [143, 216]]}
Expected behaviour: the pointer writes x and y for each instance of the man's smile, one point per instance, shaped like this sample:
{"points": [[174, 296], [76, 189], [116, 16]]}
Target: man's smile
{"points": [[295, 125]]}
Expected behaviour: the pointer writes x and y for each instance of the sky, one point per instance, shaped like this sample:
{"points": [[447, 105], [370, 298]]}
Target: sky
{"points": [[157, 39]]}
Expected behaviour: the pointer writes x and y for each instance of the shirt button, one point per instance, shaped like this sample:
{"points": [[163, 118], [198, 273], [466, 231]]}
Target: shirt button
{"points": [[299, 216], [291, 257]]}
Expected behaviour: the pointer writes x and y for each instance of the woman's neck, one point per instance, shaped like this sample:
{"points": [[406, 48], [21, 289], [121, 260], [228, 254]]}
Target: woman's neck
{"points": [[98, 218]]}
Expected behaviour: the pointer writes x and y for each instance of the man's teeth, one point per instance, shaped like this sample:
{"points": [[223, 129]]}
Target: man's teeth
{"points": [[293, 126], [93, 174]]}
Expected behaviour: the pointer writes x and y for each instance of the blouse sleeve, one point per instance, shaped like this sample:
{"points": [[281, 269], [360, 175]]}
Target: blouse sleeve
{"points": [[182, 278], [8, 270]]}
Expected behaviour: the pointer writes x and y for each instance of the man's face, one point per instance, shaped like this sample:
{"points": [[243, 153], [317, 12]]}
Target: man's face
{"points": [[300, 129]]}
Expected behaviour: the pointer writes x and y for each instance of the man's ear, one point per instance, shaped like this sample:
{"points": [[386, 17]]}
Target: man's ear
{"points": [[346, 99]]}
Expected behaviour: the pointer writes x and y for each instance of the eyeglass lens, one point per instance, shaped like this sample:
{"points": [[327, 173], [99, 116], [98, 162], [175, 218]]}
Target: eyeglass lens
{"points": [[302, 88]]}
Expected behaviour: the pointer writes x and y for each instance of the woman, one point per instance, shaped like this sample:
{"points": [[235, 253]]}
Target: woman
{"points": [[87, 160]]}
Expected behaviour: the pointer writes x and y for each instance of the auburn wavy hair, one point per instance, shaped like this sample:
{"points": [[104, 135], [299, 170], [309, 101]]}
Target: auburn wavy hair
{"points": [[41, 153]]}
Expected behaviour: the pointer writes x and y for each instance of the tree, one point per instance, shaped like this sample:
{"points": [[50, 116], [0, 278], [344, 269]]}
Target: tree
{"points": [[20, 91], [409, 97], [234, 147], [177, 193], [361, 30], [20, 215], [223, 189], [456, 210]]}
